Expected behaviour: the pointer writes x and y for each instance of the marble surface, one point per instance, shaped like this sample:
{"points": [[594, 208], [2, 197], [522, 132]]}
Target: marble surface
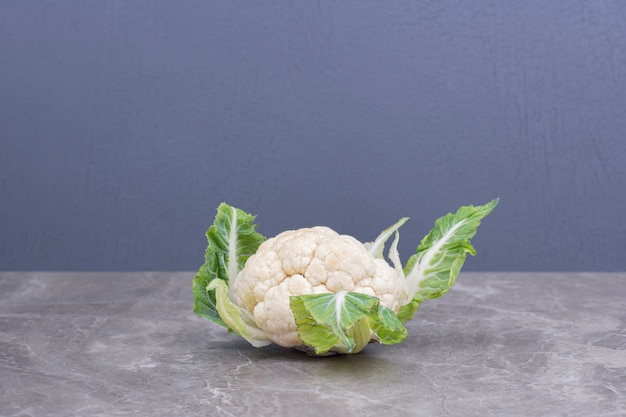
{"points": [[498, 344]]}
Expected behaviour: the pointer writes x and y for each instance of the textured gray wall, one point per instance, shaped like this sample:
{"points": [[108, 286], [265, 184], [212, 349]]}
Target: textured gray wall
{"points": [[123, 124]]}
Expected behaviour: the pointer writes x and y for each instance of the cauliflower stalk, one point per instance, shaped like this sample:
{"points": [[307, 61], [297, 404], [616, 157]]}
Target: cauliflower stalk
{"points": [[321, 292]]}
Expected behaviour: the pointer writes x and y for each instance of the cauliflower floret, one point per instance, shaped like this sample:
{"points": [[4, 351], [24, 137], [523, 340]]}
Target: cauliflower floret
{"points": [[308, 261]]}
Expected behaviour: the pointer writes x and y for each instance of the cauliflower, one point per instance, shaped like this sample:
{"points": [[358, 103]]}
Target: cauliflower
{"points": [[321, 292], [316, 260]]}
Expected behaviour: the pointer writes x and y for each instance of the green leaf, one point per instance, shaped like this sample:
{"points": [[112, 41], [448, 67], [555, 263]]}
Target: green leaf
{"points": [[387, 327], [433, 269], [233, 316], [204, 303], [377, 247], [312, 333], [394, 255], [232, 239], [407, 311], [344, 322]]}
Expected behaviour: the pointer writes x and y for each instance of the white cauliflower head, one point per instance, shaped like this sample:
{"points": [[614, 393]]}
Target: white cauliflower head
{"points": [[309, 261]]}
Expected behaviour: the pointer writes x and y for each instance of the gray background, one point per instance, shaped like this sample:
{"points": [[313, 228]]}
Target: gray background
{"points": [[123, 124]]}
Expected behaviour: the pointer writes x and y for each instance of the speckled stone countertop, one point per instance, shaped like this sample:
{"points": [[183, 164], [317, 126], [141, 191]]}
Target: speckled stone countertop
{"points": [[498, 344]]}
